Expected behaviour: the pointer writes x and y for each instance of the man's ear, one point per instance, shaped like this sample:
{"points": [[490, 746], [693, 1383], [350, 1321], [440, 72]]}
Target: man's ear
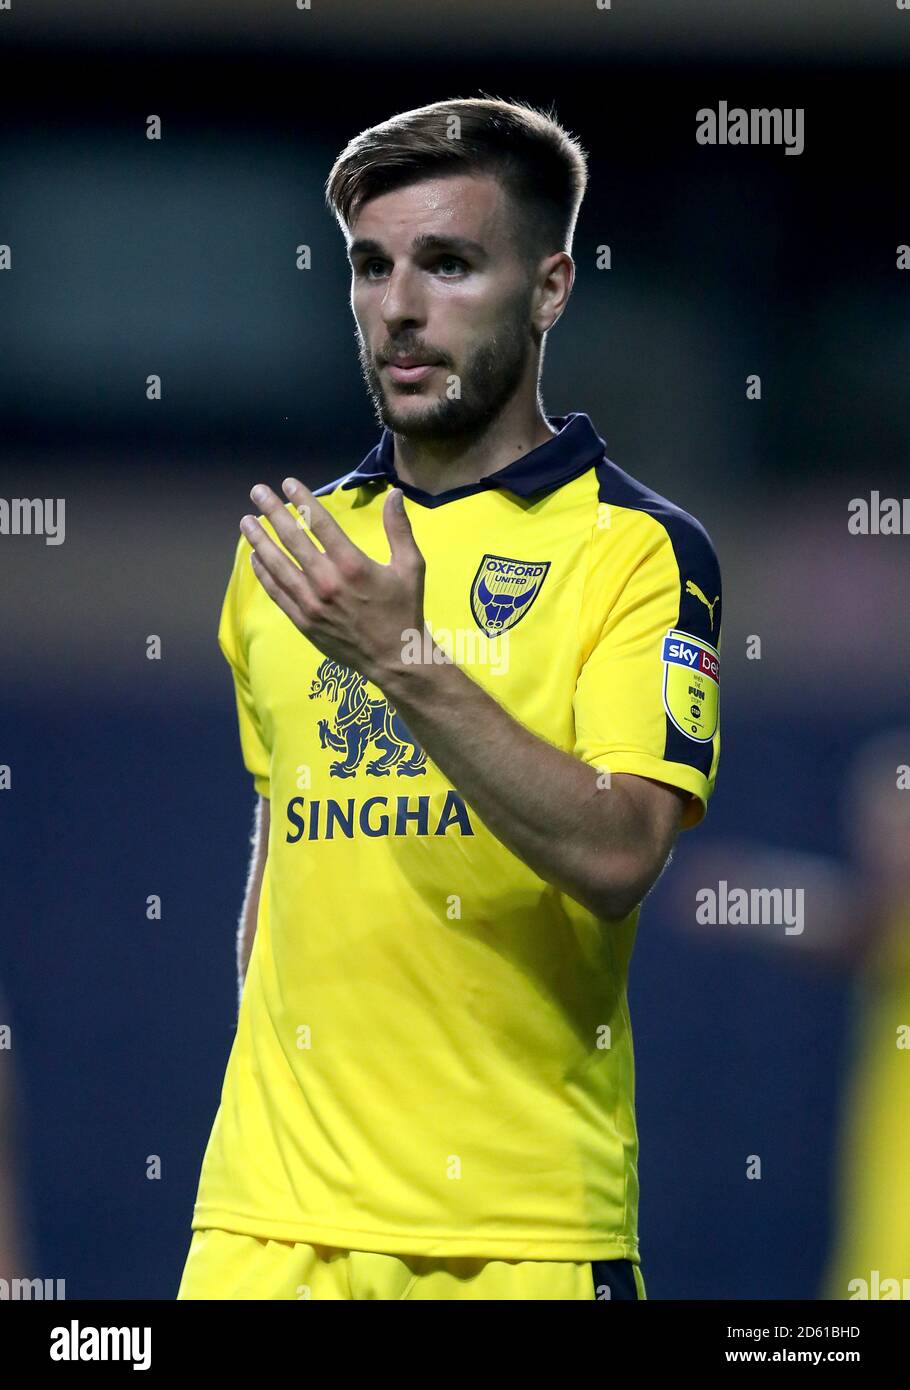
{"points": [[555, 278]]}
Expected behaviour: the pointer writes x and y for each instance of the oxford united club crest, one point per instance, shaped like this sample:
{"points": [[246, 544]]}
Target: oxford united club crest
{"points": [[504, 590]]}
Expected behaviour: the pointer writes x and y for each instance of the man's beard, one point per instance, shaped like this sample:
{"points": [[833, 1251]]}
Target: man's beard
{"points": [[489, 381]]}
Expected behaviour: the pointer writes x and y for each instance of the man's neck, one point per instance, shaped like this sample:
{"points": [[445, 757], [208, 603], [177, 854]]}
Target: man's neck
{"points": [[436, 466]]}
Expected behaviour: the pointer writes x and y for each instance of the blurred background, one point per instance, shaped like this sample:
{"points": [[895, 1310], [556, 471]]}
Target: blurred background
{"points": [[178, 257]]}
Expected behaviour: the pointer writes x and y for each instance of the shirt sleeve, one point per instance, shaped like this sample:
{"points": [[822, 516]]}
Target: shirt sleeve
{"points": [[254, 749], [646, 699]]}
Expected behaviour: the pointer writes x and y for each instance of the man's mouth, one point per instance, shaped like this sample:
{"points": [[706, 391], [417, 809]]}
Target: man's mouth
{"points": [[409, 369]]}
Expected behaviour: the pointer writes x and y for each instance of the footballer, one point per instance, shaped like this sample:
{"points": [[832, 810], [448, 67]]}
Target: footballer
{"points": [[477, 687]]}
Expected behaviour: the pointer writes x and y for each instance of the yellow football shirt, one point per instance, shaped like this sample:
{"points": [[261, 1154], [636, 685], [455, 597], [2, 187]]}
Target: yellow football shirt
{"points": [[434, 1052]]}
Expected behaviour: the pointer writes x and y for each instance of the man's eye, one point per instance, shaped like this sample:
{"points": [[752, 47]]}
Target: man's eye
{"points": [[369, 266], [451, 265]]}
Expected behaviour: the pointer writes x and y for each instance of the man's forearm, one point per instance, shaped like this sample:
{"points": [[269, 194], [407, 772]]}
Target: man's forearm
{"points": [[559, 815]]}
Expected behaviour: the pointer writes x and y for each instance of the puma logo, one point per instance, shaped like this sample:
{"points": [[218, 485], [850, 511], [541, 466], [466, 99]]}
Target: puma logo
{"points": [[693, 589]]}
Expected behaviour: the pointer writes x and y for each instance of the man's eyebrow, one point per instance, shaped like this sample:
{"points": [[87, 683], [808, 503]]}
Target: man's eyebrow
{"points": [[363, 246], [366, 246], [437, 242]]}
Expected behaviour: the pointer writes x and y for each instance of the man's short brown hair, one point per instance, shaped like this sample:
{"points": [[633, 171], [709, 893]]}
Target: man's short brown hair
{"points": [[536, 160]]}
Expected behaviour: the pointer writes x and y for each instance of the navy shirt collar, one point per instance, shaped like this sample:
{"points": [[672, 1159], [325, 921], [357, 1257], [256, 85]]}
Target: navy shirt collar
{"points": [[573, 450]]}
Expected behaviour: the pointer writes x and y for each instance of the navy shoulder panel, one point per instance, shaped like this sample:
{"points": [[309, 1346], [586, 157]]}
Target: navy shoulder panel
{"points": [[699, 612], [700, 599], [330, 487]]}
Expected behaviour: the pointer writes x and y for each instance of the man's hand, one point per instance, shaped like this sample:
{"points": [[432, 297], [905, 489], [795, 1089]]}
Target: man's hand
{"points": [[353, 609]]}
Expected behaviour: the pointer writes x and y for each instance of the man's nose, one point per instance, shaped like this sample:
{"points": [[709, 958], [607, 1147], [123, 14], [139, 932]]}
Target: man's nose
{"points": [[402, 302]]}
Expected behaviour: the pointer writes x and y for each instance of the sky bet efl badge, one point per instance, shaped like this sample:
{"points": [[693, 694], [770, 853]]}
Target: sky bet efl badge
{"points": [[691, 675], [503, 591]]}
